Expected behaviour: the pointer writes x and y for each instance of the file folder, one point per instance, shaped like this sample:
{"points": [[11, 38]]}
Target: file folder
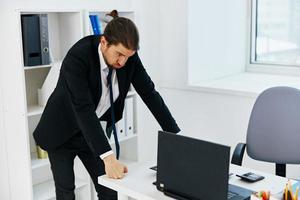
{"points": [[120, 126], [129, 116]]}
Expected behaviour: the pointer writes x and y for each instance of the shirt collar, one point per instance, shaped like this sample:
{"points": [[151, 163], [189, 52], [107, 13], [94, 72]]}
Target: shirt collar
{"points": [[103, 65]]}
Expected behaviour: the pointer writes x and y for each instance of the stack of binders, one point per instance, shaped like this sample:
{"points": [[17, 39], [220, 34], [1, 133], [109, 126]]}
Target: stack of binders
{"points": [[125, 125]]}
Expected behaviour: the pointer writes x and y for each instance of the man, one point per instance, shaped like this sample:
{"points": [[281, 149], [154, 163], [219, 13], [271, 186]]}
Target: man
{"points": [[70, 126]]}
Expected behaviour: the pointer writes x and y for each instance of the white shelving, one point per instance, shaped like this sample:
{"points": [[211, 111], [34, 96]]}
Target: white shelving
{"points": [[127, 162], [65, 28], [131, 93], [37, 163], [36, 67], [122, 139], [34, 110]]}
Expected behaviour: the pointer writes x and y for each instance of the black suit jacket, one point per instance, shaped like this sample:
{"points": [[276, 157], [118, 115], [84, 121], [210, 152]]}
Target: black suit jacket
{"points": [[71, 107]]}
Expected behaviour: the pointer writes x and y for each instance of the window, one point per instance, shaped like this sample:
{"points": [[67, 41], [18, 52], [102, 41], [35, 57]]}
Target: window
{"points": [[275, 32]]}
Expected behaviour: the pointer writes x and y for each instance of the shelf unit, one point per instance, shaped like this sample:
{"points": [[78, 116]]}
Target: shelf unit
{"points": [[33, 110], [37, 67], [65, 27]]}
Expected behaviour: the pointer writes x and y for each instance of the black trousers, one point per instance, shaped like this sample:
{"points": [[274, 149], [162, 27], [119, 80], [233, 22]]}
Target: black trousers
{"points": [[62, 163]]}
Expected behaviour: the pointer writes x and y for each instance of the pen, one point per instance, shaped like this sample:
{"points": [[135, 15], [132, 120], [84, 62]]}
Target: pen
{"points": [[285, 192], [290, 195], [296, 195]]}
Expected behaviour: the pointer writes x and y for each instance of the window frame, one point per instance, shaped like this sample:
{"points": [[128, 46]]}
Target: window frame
{"points": [[269, 68]]}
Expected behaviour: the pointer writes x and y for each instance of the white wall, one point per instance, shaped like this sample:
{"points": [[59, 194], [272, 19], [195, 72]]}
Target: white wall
{"points": [[148, 21], [216, 32], [173, 40], [216, 117], [166, 29], [4, 181], [4, 174], [172, 74], [216, 38]]}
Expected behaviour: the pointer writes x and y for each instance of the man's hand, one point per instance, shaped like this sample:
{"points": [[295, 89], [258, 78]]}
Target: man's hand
{"points": [[114, 168]]}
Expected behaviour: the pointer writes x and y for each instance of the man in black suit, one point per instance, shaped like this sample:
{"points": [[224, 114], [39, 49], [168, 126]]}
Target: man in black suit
{"points": [[69, 125]]}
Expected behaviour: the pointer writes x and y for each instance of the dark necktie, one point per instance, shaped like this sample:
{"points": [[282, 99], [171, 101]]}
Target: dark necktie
{"points": [[113, 120]]}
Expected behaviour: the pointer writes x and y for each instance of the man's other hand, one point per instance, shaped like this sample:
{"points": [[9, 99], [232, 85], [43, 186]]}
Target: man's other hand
{"points": [[114, 168]]}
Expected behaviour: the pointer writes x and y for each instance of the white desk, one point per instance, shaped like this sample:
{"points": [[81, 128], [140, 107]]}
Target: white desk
{"points": [[137, 183]]}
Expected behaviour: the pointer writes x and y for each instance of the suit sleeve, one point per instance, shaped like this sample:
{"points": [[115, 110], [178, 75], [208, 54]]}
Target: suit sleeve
{"points": [[146, 90], [74, 70]]}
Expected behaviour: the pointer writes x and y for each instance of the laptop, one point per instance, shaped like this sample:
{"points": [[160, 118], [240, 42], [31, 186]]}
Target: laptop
{"points": [[194, 169]]}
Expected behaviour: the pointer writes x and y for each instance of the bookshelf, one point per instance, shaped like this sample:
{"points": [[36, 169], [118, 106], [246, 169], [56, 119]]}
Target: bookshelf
{"points": [[65, 27], [37, 67]]}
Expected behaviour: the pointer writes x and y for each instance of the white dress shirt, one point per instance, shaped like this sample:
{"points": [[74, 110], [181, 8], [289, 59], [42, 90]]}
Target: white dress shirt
{"points": [[104, 103]]}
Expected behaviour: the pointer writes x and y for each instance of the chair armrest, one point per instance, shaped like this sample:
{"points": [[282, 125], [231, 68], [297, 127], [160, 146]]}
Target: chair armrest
{"points": [[238, 154]]}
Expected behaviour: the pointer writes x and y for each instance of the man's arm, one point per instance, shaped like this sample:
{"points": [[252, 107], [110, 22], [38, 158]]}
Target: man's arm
{"points": [[146, 89]]}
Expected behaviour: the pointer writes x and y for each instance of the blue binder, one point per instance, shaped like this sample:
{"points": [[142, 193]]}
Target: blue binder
{"points": [[95, 22]]}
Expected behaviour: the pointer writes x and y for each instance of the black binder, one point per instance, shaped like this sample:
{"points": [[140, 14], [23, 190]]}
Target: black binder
{"points": [[35, 39]]}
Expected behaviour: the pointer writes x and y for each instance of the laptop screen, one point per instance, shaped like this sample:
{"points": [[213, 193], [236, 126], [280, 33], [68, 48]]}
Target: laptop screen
{"points": [[189, 168]]}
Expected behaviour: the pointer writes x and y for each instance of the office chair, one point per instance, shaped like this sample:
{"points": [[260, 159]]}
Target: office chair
{"points": [[273, 133]]}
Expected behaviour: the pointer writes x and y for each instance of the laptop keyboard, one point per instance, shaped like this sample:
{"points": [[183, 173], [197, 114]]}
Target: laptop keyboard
{"points": [[234, 196], [230, 195]]}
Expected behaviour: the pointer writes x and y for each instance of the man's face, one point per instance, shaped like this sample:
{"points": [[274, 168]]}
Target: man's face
{"points": [[115, 55]]}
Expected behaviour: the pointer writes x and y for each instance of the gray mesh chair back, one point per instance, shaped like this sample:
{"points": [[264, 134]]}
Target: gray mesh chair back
{"points": [[273, 133]]}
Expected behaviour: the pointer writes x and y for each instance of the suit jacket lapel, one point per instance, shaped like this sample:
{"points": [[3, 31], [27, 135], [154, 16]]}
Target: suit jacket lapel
{"points": [[99, 85], [121, 75], [97, 75]]}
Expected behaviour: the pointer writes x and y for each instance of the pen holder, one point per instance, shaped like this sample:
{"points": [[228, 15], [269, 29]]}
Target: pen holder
{"points": [[41, 153], [289, 196]]}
